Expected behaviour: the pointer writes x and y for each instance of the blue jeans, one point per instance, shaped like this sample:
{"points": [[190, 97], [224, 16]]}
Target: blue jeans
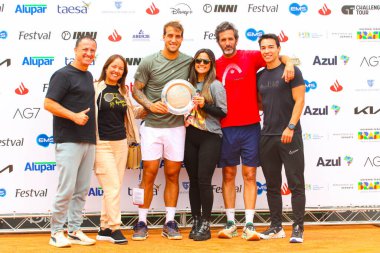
{"points": [[75, 162]]}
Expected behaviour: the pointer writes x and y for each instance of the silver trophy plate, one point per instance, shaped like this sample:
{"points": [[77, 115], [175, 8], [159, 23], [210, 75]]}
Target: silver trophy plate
{"points": [[178, 96]]}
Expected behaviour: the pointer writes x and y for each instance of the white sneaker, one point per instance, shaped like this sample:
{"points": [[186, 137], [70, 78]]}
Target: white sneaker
{"points": [[59, 240], [78, 237]]}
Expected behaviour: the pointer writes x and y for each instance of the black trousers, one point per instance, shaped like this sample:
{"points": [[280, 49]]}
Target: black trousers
{"points": [[273, 155], [202, 152]]}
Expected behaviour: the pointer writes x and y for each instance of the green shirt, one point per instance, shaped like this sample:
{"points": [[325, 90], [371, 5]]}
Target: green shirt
{"points": [[155, 71]]}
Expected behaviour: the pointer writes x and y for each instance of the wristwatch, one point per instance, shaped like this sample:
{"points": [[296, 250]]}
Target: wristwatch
{"points": [[291, 126]]}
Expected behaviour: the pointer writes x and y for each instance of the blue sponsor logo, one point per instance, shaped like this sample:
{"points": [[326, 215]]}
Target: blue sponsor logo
{"points": [[44, 140], [38, 61], [61, 9], [261, 188], [253, 35], [3, 192], [297, 9], [3, 35], [31, 8], [40, 166], [96, 191], [310, 85], [118, 4]]}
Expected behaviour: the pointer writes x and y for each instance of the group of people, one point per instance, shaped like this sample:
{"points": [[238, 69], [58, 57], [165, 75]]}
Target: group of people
{"points": [[93, 124]]}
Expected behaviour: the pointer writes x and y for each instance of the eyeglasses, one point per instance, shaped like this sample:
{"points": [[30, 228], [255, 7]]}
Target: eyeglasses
{"points": [[200, 60]]}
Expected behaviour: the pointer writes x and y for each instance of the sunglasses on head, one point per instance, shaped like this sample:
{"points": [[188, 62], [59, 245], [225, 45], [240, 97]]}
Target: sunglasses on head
{"points": [[200, 60]]}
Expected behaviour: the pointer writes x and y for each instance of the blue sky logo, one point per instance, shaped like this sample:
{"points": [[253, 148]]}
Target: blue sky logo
{"points": [[297, 9], [310, 85], [44, 140], [253, 35], [3, 192], [3, 35]]}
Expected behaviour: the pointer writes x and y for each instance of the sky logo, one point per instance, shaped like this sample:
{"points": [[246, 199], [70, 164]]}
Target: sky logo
{"points": [[253, 35], [310, 85], [297, 9], [3, 35], [44, 140]]}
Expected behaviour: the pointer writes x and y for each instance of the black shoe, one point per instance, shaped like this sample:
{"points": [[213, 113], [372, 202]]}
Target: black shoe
{"points": [[196, 225], [204, 232], [297, 234], [104, 234], [118, 238]]}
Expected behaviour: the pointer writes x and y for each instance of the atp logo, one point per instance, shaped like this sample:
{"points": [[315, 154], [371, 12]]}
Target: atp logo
{"points": [[152, 10], [253, 35], [324, 11], [297, 9], [114, 37], [335, 108], [282, 37], [336, 87], [21, 90], [310, 85]]}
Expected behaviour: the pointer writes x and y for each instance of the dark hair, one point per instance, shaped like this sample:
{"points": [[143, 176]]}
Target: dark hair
{"points": [[224, 26], [270, 36], [89, 37], [209, 78], [175, 24], [121, 81]]}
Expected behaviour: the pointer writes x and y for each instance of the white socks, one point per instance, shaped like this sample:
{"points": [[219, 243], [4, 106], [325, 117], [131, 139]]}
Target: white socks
{"points": [[230, 212], [170, 213], [249, 213], [143, 212]]}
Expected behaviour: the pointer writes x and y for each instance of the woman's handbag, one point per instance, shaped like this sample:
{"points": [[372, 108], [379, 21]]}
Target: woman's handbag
{"points": [[134, 156]]}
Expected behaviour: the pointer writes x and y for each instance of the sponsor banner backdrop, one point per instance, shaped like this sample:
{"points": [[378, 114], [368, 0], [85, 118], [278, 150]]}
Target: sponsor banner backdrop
{"points": [[334, 43]]}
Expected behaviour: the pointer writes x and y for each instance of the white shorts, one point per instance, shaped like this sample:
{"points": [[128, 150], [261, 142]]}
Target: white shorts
{"points": [[157, 143]]}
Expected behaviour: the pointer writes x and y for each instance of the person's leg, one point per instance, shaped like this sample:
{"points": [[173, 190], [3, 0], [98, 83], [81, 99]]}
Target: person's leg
{"points": [[191, 160], [111, 158], [249, 137], [209, 154], [174, 146], [68, 158], [272, 165], [229, 159], [82, 186], [294, 162]]}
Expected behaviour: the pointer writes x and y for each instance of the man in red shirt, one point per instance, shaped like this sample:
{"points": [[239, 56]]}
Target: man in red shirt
{"points": [[237, 69]]}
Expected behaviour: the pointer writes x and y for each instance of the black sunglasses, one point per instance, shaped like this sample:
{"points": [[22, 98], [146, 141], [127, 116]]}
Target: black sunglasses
{"points": [[200, 60]]}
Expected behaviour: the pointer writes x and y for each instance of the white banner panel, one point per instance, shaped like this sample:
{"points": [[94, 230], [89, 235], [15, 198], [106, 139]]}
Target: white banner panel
{"points": [[335, 43]]}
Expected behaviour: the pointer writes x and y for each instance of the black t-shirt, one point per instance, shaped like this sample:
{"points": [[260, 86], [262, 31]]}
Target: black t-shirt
{"points": [[74, 90], [112, 108], [277, 99]]}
